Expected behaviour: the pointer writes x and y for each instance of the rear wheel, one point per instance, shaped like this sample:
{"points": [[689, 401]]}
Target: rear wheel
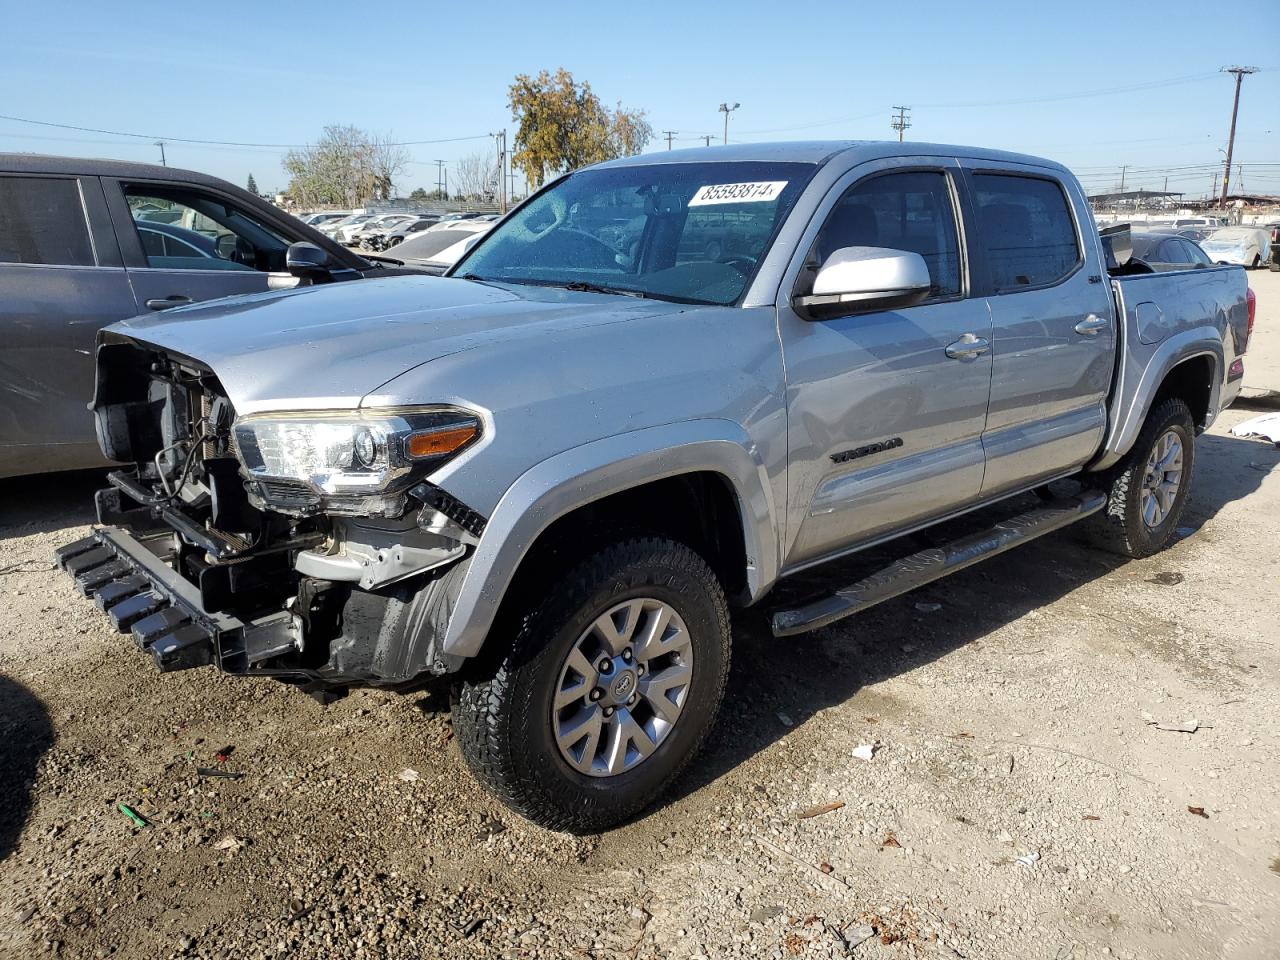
{"points": [[1147, 490], [607, 689]]}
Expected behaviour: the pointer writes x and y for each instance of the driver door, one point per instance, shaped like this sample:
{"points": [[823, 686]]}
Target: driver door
{"points": [[181, 244], [885, 407]]}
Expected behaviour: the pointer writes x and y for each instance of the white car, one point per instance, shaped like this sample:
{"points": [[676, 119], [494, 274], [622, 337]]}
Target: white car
{"points": [[440, 247], [1246, 246]]}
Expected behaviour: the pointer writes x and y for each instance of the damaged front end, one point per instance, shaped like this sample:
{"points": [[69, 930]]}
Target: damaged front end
{"points": [[305, 546]]}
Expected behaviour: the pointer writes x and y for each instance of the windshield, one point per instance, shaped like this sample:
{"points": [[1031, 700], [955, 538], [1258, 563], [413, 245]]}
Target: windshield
{"points": [[687, 232]]}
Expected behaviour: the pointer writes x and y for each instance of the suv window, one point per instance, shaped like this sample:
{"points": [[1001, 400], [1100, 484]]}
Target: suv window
{"points": [[42, 220], [1027, 230], [182, 229], [1194, 254], [903, 211]]}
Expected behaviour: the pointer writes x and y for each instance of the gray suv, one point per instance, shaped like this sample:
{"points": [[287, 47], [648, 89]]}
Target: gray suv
{"points": [[548, 475], [84, 243]]}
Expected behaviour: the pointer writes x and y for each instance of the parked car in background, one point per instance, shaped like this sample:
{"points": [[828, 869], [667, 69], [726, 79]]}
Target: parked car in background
{"points": [[84, 243], [401, 232], [169, 244], [546, 476], [1274, 230], [437, 249], [316, 219], [376, 227], [1162, 251], [341, 230], [1245, 246]]}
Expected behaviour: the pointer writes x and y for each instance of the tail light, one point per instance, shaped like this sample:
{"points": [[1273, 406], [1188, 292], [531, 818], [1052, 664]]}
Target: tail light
{"points": [[1251, 299]]}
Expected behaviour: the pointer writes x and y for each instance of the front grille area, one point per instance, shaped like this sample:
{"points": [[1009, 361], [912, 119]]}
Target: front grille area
{"points": [[290, 494]]}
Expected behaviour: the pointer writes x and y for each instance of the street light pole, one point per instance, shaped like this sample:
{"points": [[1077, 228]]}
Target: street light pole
{"points": [[726, 110]]}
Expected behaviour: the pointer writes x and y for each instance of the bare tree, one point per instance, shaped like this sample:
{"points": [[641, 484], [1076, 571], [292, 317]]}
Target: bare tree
{"points": [[476, 176], [345, 167], [386, 161]]}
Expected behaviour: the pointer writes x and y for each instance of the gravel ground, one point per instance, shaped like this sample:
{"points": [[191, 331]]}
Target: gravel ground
{"points": [[1018, 804]]}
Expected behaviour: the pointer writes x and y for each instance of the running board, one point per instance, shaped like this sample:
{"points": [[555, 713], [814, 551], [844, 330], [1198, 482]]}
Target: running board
{"points": [[929, 565]]}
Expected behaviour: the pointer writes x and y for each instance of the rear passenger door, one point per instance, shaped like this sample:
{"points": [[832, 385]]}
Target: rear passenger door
{"points": [[1053, 332], [182, 244], [61, 280]]}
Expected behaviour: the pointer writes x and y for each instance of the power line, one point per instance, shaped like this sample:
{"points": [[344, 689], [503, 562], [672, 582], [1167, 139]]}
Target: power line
{"points": [[216, 143], [1148, 85]]}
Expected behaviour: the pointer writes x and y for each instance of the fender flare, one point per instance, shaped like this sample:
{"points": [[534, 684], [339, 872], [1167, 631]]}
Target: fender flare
{"points": [[579, 476], [1170, 353]]}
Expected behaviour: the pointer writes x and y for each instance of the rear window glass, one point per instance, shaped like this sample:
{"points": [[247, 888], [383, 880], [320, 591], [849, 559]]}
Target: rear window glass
{"points": [[429, 244], [1027, 230], [42, 221]]}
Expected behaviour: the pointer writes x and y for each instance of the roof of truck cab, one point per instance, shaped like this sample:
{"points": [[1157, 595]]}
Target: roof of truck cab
{"points": [[820, 151], [97, 167]]}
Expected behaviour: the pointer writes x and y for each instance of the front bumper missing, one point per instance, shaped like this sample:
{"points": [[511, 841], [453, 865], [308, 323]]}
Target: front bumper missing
{"points": [[129, 578]]}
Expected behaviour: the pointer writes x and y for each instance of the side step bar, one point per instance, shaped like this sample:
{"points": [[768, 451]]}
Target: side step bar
{"points": [[929, 565]]}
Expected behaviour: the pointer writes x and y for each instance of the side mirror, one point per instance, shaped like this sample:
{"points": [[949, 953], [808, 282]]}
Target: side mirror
{"points": [[861, 279], [308, 262]]}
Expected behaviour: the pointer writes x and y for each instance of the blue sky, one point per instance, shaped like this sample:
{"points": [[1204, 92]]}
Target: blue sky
{"points": [[1007, 75]]}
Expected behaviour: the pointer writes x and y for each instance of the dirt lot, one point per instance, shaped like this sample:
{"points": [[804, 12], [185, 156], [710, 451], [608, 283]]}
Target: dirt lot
{"points": [[1019, 804]]}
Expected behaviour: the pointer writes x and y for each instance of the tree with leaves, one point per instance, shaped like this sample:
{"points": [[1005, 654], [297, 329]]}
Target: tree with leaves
{"points": [[563, 126], [251, 185], [345, 167]]}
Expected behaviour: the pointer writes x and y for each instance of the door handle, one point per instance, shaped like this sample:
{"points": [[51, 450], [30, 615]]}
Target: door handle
{"points": [[175, 301], [968, 347], [1092, 325]]}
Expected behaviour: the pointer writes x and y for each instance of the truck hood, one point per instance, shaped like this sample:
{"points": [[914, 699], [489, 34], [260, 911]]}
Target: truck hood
{"points": [[326, 347]]}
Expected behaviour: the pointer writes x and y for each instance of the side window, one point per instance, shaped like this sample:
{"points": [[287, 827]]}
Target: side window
{"points": [[42, 220], [1195, 254], [182, 229], [1027, 230], [903, 211]]}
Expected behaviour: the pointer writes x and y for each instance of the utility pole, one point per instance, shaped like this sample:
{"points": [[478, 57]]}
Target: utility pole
{"points": [[160, 144], [706, 137], [726, 110], [900, 122], [500, 139], [1214, 195], [1240, 73], [440, 178], [1123, 171], [670, 135]]}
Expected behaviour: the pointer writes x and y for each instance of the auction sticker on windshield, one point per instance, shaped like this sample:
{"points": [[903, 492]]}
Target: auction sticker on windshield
{"points": [[761, 192]]}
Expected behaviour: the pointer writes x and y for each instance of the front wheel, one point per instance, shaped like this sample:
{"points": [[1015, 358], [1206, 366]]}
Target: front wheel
{"points": [[606, 691], [1147, 490]]}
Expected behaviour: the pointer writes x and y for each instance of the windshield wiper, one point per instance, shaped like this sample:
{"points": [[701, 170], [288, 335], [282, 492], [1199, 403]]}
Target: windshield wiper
{"points": [[476, 278], [582, 286]]}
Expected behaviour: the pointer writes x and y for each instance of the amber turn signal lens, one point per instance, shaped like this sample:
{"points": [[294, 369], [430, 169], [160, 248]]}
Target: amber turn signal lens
{"points": [[442, 440]]}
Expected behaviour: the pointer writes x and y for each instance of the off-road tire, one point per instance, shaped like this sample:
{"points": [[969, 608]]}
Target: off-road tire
{"points": [[1119, 527], [502, 714]]}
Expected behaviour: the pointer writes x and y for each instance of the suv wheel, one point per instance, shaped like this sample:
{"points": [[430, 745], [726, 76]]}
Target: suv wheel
{"points": [[1148, 488], [607, 690]]}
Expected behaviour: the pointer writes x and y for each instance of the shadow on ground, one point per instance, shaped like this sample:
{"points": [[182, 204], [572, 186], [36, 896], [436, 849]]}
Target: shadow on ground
{"points": [[800, 676], [25, 734], [39, 504]]}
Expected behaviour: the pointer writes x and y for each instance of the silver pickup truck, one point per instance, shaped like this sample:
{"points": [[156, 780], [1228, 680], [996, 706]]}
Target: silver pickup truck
{"points": [[549, 474]]}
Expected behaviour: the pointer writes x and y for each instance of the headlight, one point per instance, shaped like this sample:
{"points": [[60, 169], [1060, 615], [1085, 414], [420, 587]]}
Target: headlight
{"points": [[357, 464]]}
